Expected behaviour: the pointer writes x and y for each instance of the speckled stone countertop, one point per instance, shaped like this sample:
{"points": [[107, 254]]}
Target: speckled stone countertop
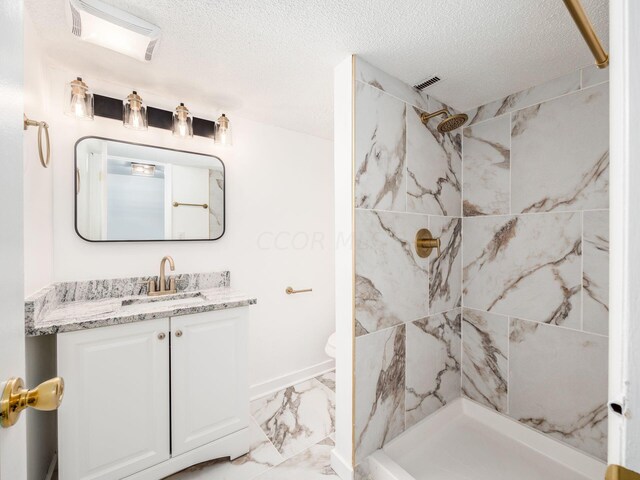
{"points": [[69, 306]]}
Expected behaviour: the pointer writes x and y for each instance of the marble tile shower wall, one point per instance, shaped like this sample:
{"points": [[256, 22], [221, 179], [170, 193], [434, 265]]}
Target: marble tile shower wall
{"points": [[408, 309], [535, 270]]}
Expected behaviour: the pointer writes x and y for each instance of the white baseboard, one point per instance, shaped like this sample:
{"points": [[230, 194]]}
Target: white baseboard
{"points": [[276, 384], [342, 468]]}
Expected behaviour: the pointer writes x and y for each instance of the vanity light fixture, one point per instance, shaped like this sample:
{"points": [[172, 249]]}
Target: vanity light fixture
{"points": [[78, 100], [182, 124], [222, 135], [143, 169], [134, 112]]}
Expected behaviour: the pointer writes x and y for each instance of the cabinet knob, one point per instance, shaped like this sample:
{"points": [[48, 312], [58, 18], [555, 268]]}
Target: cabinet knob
{"points": [[161, 336], [178, 333]]}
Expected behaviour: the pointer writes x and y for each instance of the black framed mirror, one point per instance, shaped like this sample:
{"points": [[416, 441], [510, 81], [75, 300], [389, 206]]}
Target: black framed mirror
{"points": [[128, 192]]}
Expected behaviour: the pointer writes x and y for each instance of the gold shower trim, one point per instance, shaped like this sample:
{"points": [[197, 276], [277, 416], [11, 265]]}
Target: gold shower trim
{"points": [[586, 29], [616, 472]]}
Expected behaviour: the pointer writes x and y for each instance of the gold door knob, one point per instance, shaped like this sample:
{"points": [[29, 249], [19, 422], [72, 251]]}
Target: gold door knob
{"points": [[425, 243], [15, 398]]}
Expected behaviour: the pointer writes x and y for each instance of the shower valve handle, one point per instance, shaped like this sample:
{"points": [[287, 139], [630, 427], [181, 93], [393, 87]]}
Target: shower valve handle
{"points": [[425, 243]]}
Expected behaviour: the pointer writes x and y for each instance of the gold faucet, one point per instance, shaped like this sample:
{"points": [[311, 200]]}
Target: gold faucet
{"points": [[163, 288]]}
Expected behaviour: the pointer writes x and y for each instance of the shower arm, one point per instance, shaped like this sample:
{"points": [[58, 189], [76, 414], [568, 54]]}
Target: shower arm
{"points": [[425, 117]]}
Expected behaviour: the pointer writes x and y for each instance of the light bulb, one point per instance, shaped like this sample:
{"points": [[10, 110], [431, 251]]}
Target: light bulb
{"points": [[136, 120], [134, 113], [182, 125], [79, 109], [222, 135], [79, 100]]}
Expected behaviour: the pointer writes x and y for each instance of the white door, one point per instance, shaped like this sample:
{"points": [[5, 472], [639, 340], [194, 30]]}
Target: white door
{"points": [[12, 362], [209, 392], [624, 314], [115, 417]]}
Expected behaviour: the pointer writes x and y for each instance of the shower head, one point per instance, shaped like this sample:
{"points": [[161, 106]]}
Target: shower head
{"points": [[451, 122]]}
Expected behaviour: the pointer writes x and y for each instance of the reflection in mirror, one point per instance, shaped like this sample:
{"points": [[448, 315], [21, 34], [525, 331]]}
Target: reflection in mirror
{"points": [[129, 192]]}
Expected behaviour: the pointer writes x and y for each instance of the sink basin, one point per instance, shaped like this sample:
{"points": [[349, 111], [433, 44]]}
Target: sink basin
{"points": [[161, 298]]}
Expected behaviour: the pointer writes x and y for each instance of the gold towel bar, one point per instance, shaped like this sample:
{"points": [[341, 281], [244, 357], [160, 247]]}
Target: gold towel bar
{"points": [[178, 204], [290, 291]]}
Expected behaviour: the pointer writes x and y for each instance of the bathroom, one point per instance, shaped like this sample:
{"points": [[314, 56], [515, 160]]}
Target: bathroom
{"points": [[357, 241]]}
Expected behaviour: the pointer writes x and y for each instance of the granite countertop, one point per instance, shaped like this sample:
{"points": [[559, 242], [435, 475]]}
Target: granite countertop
{"points": [[69, 306]]}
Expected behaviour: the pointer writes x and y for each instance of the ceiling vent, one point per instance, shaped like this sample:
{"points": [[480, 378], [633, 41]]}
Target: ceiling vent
{"points": [[427, 82], [96, 22]]}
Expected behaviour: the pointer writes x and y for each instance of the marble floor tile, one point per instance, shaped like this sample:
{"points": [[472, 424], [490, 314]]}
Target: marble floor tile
{"points": [[434, 168], [379, 389], [526, 266], [487, 168], [560, 154], [311, 464], [392, 281], [484, 358], [328, 379], [380, 150], [262, 456], [297, 417], [525, 98], [595, 275], [445, 270], [432, 364], [558, 383]]}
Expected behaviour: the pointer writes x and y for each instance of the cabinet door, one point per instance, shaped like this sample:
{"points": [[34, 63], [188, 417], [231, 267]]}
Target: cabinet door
{"points": [[209, 391], [114, 420]]}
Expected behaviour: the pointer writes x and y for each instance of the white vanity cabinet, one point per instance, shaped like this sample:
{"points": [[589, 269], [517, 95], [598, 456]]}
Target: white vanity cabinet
{"points": [[208, 378], [147, 399]]}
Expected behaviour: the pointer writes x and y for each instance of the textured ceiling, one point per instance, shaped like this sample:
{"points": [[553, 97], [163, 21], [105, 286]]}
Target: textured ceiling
{"points": [[273, 60]]}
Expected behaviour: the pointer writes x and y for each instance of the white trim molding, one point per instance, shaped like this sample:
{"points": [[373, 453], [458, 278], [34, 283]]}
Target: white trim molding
{"points": [[624, 313], [279, 383]]}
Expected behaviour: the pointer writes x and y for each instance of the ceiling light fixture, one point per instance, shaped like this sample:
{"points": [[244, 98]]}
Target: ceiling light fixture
{"points": [[143, 169], [182, 124], [78, 100], [222, 135], [96, 22], [134, 113]]}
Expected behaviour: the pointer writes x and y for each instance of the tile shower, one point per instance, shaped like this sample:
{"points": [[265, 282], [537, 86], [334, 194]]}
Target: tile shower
{"points": [[513, 313]]}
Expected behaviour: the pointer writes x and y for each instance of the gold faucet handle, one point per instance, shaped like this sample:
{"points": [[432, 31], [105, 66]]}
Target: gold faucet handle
{"points": [[47, 396]]}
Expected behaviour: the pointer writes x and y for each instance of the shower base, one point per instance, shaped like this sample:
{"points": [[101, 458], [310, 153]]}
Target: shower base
{"points": [[465, 441]]}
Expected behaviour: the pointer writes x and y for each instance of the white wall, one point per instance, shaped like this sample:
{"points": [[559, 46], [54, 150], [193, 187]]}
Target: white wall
{"points": [[342, 456], [38, 248], [624, 329], [279, 228], [38, 181]]}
